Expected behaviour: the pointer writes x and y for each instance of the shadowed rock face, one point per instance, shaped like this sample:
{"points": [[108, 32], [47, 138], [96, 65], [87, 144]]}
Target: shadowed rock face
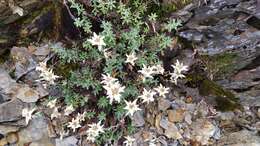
{"points": [[258, 7], [226, 35], [10, 22], [8, 15], [40, 18], [226, 27]]}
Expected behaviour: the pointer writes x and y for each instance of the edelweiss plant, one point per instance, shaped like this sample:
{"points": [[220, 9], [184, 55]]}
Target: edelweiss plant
{"points": [[46, 74], [147, 96], [118, 70], [129, 141], [178, 69], [131, 58], [97, 40], [94, 130], [162, 91], [131, 107], [55, 113], [27, 114]]}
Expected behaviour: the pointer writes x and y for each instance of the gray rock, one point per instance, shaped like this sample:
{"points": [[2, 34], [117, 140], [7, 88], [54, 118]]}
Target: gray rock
{"points": [[6, 81], [238, 85], [139, 141], [5, 129], [258, 112], [18, 123], [11, 111], [40, 143], [249, 7], [219, 32], [257, 126], [9, 87], [203, 130], [42, 92], [27, 94], [138, 119], [24, 61], [68, 141], [222, 3], [35, 132], [2, 99], [194, 93], [192, 35], [164, 123], [184, 14], [227, 115], [171, 131], [240, 138], [42, 50], [250, 98], [12, 138], [163, 104]]}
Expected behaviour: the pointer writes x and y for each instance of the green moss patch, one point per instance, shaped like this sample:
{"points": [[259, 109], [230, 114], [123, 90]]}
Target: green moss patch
{"points": [[225, 99], [221, 65]]}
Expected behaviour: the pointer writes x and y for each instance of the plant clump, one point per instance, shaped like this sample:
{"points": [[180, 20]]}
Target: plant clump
{"points": [[118, 69]]}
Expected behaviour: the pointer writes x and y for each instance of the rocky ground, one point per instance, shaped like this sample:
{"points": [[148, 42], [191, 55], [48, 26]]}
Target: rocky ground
{"points": [[220, 40]]}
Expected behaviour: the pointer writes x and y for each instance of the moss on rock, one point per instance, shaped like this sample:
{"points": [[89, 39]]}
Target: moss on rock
{"points": [[220, 66], [224, 99], [164, 8]]}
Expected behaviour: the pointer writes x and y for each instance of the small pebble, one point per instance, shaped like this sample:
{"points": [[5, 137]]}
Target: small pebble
{"points": [[12, 138], [176, 115]]}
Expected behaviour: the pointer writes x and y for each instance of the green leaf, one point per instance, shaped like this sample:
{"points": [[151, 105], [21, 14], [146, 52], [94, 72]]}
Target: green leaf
{"points": [[102, 116], [172, 25], [90, 115], [103, 102], [85, 79], [119, 111], [152, 17]]}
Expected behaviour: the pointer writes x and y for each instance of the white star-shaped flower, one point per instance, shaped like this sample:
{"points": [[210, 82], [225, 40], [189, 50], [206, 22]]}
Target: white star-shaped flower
{"points": [[175, 76], [81, 117], [94, 130], [52, 103], [129, 141], [97, 40], [146, 72], [153, 142], [63, 133], [74, 124], [17, 10], [96, 127], [46, 74], [131, 107], [107, 53], [69, 110], [55, 113], [158, 69], [179, 67], [162, 90], [114, 91], [131, 58], [91, 137], [41, 67], [27, 113], [107, 79], [49, 76], [147, 96]]}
